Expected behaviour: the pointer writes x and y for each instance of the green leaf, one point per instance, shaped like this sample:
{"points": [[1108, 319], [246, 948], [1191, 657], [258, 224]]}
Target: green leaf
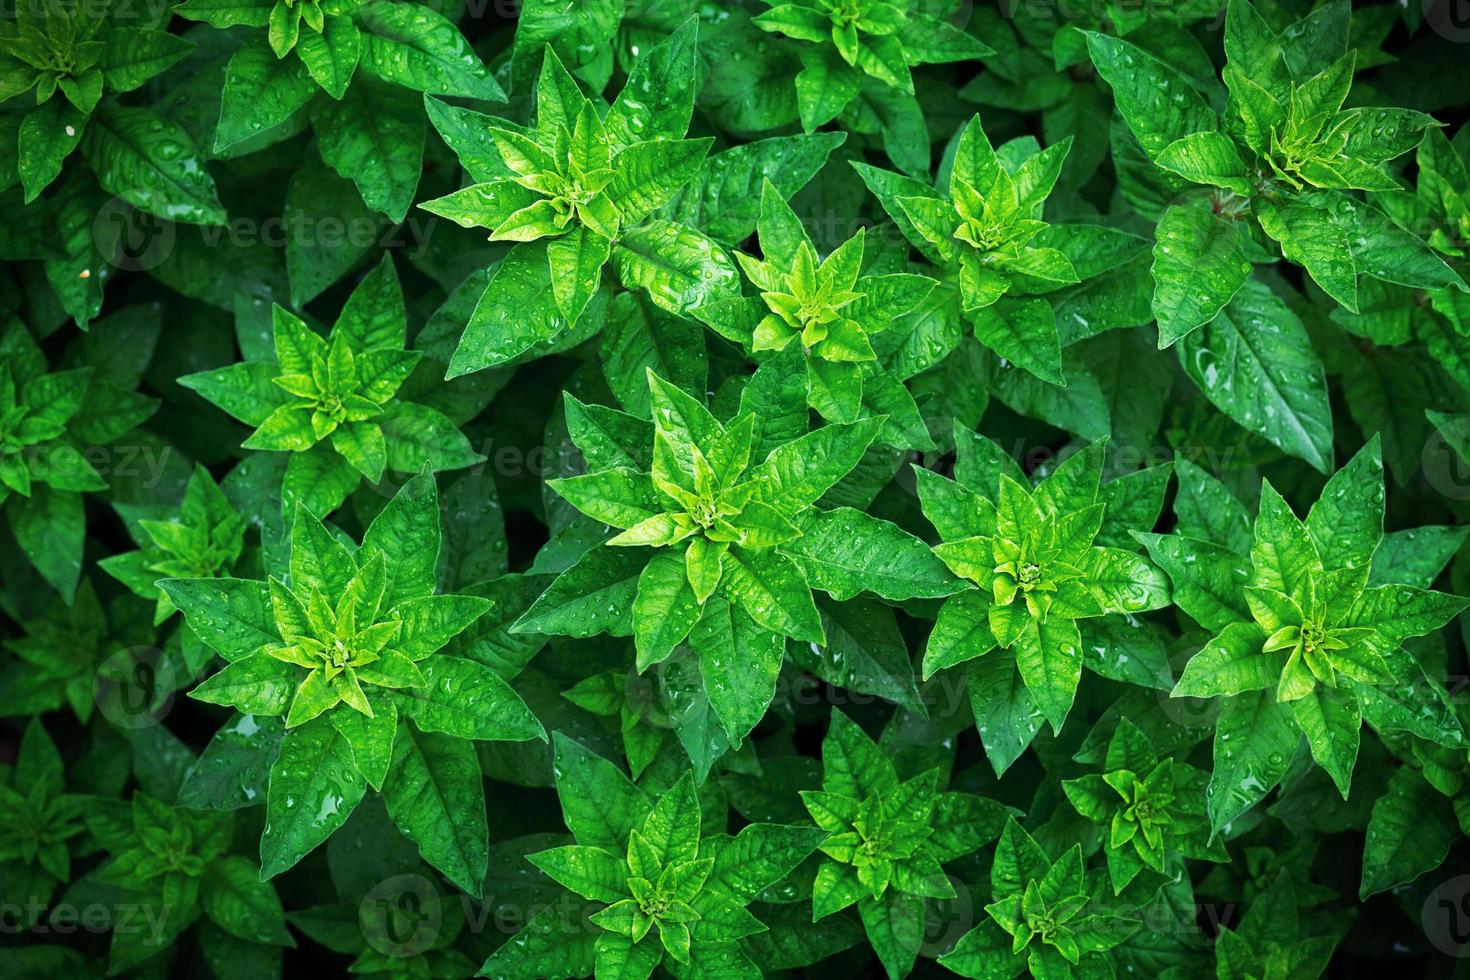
{"points": [[845, 551], [665, 609], [1398, 612], [1007, 714], [1256, 364], [1049, 658], [723, 199], [545, 945], [824, 87], [261, 92], [600, 805], [640, 337], [237, 901], [658, 99], [984, 953], [131, 56], [152, 164], [1312, 239], [895, 928], [314, 262], [50, 527], [646, 175], [1208, 157], [798, 472], [467, 133], [46, 137], [406, 534], [1410, 831], [1208, 511], [865, 653], [1346, 522], [739, 661], [1125, 649], [593, 596], [234, 767], [772, 592], [411, 45], [256, 684], [516, 313], [1157, 103], [331, 57], [436, 797], [227, 13], [961, 633], [374, 136], [1255, 740], [589, 871], [1332, 721], [576, 260], [679, 267], [314, 788], [1023, 332], [232, 615], [1206, 578], [467, 700], [1199, 266], [1416, 556], [1231, 663]]}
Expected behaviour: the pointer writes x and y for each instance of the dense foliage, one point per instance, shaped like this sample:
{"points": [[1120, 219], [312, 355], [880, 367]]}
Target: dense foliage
{"points": [[634, 488]]}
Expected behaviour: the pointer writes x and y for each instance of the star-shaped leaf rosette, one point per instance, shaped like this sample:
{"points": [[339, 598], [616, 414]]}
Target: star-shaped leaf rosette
{"points": [[177, 860], [407, 44], [826, 307], [332, 401], [888, 839], [1151, 809], [857, 51], [1046, 916], [39, 821], [1312, 644], [578, 191], [60, 61], [347, 648], [720, 540], [996, 256], [667, 885], [1039, 576], [205, 540], [51, 422], [1279, 164]]}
